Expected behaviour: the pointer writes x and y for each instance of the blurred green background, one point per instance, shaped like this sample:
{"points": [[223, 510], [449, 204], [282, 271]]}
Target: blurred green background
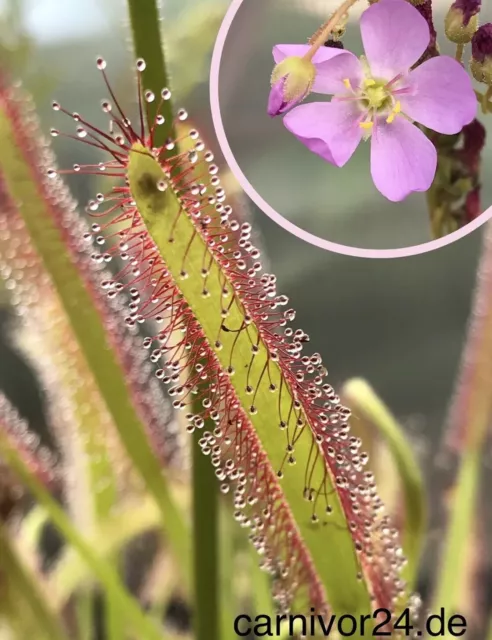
{"points": [[398, 323]]}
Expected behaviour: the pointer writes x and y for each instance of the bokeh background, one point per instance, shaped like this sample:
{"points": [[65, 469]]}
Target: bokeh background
{"points": [[398, 323]]}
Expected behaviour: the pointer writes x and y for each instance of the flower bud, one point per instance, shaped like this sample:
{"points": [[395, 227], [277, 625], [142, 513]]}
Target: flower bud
{"points": [[292, 80], [481, 64], [462, 20]]}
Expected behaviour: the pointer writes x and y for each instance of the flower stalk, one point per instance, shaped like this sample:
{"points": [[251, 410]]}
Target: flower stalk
{"points": [[146, 24], [322, 35]]}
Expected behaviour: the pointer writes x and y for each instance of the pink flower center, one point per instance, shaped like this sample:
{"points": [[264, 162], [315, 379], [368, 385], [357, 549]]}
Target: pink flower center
{"points": [[377, 98]]}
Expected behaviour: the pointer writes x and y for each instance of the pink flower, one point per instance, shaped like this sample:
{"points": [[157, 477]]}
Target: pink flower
{"points": [[380, 96]]}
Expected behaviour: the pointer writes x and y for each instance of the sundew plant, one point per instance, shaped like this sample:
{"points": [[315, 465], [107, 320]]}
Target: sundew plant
{"points": [[415, 105], [207, 480]]}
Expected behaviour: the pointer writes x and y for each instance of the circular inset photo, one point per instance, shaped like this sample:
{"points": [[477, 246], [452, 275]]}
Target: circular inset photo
{"points": [[364, 128]]}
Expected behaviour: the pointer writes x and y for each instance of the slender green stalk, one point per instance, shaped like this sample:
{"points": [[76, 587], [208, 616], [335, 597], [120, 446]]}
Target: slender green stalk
{"points": [[261, 588], [454, 564], [231, 537], [26, 585], [115, 626], [85, 614], [128, 608], [145, 24], [205, 547]]}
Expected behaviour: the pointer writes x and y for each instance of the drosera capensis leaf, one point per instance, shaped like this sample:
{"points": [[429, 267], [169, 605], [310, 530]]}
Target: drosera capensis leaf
{"points": [[62, 228], [364, 401], [57, 231], [77, 414], [281, 435], [104, 573], [40, 461]]}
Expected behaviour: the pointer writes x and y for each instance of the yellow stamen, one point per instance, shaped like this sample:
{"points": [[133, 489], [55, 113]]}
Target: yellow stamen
{"points": [[366, 125], [347, 83], [370, 82], [394, 113]]}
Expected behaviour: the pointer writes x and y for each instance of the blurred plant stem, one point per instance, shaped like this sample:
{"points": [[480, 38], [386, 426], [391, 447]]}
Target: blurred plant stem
{"points": [[230, 536], [205, 538], [115, 626], [471, 408], [29, 589], [84, 610], [468, 424]]}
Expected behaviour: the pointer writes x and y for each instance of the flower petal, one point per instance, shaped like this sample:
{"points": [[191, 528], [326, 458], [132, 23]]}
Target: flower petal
{"points": [[329, 129], [332, 73], [443, 98], [403, 159], [395, 36], [276, 101], [333, 66]]}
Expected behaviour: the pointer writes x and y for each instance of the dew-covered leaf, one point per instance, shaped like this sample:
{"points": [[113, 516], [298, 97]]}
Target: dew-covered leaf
{"points": [[39, 460], [78, 415], [56, 231], [280, 437]]}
